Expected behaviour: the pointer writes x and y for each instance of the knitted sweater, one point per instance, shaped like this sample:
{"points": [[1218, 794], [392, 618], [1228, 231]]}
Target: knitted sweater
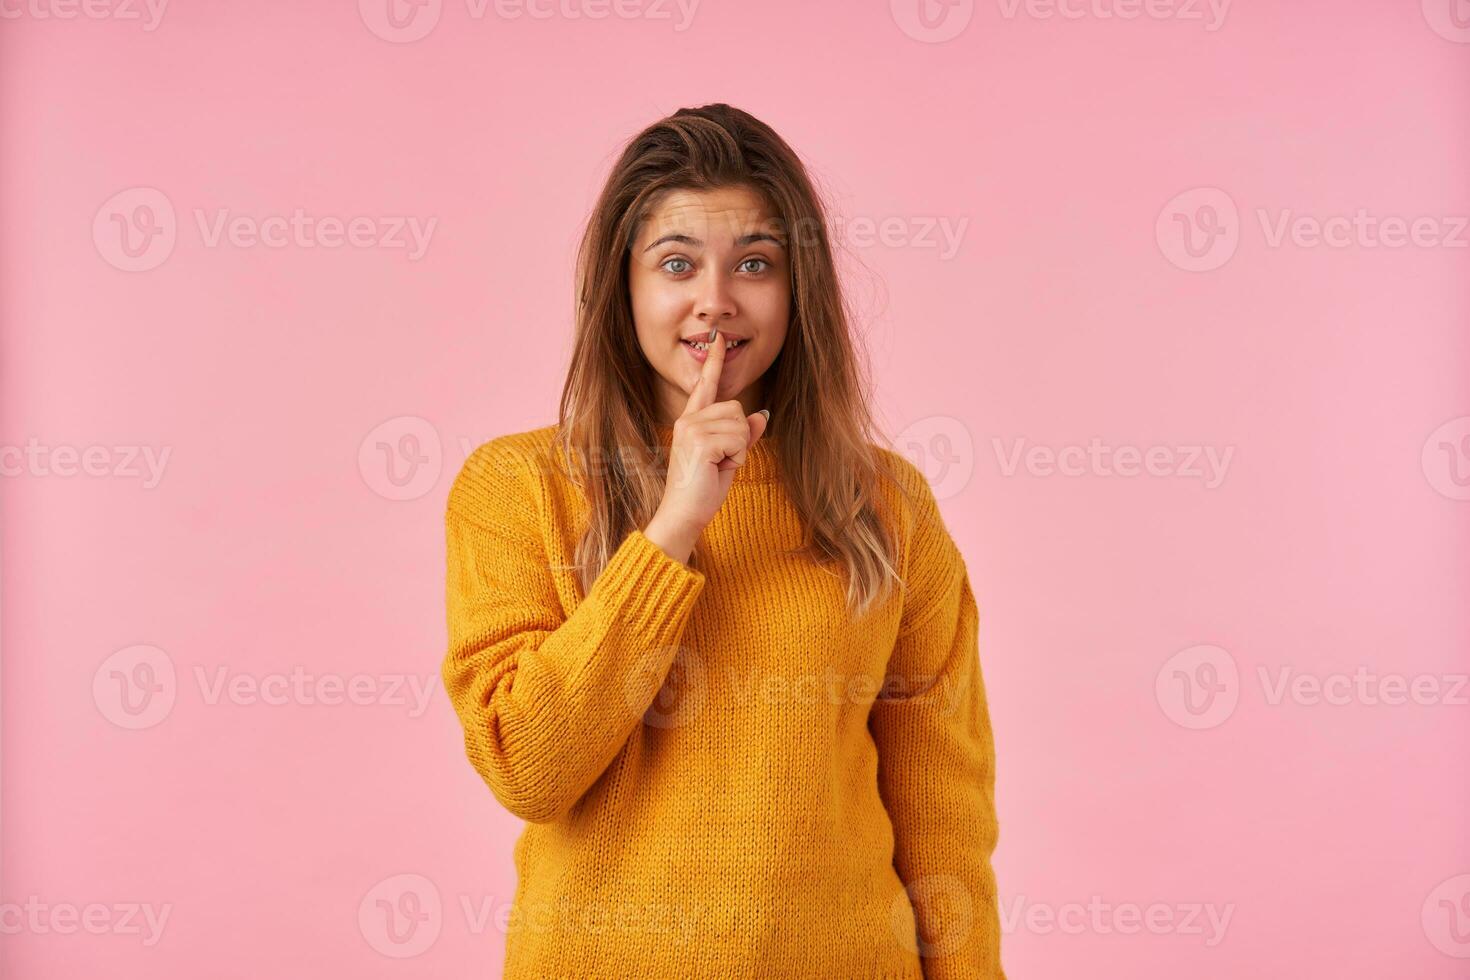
{"points": [[723, 773]]}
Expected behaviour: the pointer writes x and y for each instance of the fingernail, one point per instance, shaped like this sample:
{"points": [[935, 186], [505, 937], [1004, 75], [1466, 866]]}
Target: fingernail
{"points": [[712, 332], [767, 413]]}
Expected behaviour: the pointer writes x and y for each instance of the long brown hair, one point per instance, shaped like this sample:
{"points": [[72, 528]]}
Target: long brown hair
{"points": [[816, 387]]}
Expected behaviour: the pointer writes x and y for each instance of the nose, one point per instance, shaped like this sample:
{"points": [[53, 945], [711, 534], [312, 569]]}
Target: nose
{"points": [[715, 300]]}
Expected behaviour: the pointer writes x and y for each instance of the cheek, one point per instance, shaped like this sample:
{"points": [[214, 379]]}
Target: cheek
{"points": [[771, 308], [655, 305]]}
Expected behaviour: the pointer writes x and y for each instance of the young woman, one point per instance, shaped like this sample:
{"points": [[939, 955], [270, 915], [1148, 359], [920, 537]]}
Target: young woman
{"points": [[710, 639]]}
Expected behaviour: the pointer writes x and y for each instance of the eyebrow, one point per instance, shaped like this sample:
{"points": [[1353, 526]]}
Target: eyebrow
{"points": [[741, 242]]}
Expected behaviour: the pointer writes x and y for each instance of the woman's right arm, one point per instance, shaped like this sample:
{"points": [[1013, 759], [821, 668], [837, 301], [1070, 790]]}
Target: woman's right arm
{"points": [[547, 700]]}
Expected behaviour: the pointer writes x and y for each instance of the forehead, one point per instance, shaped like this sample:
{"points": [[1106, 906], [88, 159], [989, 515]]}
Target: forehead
{"points": [[714, 217]]}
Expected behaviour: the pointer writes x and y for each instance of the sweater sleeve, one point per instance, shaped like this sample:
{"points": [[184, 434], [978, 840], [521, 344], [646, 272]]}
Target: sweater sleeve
{"points": [[936, 774], [546, 699]]}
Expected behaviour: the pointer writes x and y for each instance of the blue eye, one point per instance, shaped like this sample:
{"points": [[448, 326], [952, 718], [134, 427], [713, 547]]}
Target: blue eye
{"points": [[668, 265]]}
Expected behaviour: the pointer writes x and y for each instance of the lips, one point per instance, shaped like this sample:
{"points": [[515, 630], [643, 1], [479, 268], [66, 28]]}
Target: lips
{"points": [[703, 336], [702, 355]]}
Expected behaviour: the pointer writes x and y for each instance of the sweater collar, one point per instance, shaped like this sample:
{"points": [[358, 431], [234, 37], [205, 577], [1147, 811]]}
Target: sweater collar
{"points": [[760, 464]]}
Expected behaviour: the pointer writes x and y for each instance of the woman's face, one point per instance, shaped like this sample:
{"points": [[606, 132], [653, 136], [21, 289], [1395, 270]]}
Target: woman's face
{"points": [[702, 259]]}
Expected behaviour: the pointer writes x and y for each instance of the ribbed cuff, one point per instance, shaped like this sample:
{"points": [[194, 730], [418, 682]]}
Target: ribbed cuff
{"points": [[644, 588]]}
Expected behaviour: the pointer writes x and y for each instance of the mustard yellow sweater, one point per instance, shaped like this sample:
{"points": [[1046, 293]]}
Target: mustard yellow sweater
{"points": [[722, 773]]}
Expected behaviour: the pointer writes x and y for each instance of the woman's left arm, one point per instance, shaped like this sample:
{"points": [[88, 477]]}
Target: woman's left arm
{"points": [[936, 769]]}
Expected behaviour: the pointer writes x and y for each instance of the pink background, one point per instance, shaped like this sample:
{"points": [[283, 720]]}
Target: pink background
{"points": [[280, 380]]}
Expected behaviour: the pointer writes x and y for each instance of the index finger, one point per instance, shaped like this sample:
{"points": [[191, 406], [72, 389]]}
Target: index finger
{"points": [[703, 394]]}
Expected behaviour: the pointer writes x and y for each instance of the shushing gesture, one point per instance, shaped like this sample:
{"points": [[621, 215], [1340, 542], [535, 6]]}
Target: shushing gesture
{"points": [[710, 443]]}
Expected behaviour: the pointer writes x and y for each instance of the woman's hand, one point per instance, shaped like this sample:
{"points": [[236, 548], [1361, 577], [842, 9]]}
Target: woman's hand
{"points": [[710, 443]]}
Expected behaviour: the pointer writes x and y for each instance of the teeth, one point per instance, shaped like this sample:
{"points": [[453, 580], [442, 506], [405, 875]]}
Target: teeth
{"points": [[701, 345]]}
